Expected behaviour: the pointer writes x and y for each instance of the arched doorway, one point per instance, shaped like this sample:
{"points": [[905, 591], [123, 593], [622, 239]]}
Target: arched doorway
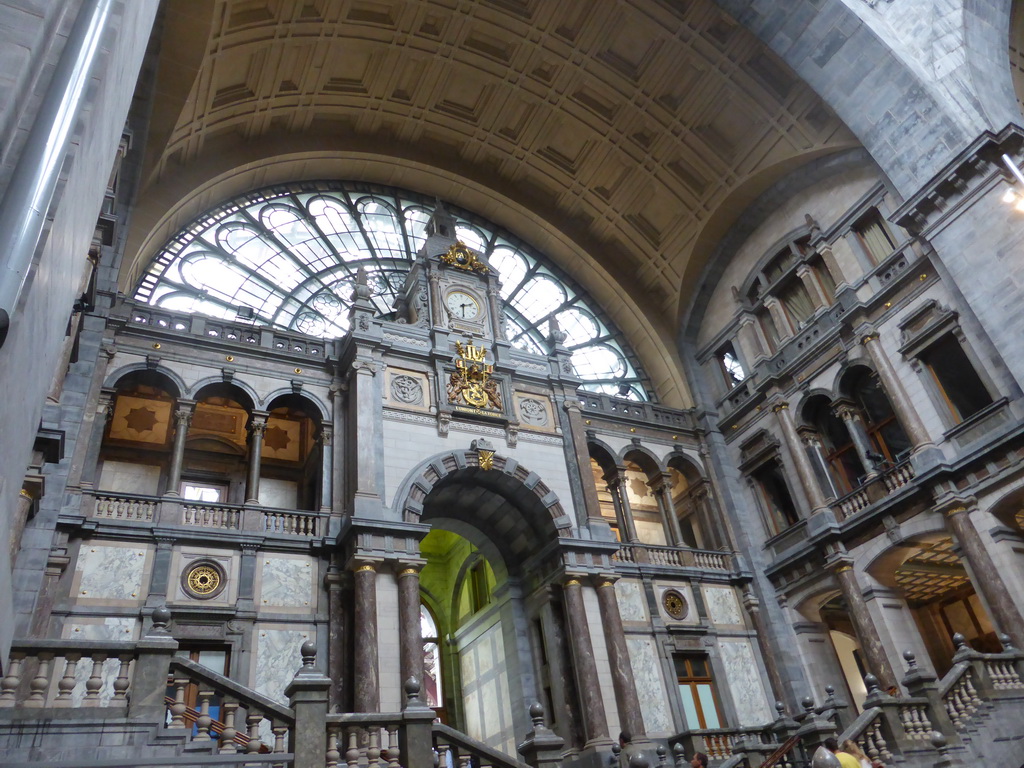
{"points": [[489, 546]]}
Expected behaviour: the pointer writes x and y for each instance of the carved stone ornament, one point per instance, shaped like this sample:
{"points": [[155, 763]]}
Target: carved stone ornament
{"points": [[533, 412], [471, 383], [407, 389], [203, 579], [675, 604], [460, 257]]}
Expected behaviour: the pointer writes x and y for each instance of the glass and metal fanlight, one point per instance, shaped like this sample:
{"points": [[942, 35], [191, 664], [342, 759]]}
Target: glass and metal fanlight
{"points": [[287, 257]]}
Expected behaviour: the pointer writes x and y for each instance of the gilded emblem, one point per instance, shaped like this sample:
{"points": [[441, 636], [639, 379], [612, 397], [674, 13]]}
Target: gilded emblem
{"points": [[460, 257], [471, 383]]}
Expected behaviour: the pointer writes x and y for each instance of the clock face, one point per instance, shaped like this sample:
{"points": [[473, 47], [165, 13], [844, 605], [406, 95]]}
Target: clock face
{"points": [[462, 305]]}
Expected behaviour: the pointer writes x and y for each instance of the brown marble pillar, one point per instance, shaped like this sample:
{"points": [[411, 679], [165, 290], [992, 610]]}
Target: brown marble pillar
{"points": [[765, 642], [182, 420], [985, 574], [257, 427], [618, 658], [858, 436], [335, 636], [890, 380], [804, 470], [410, 636], [867, 635], [662, 488], [620, 498], [366, 686], [595, 721]]}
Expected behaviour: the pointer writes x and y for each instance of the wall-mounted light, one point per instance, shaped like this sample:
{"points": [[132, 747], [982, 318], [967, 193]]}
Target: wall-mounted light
{"points": [[1013, 196]]}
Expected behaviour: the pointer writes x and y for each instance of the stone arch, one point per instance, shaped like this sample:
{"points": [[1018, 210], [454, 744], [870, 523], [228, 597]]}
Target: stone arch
{"points": [[317, 406], [177, 384], [606, 457], [812, 399], [213, 385], [644, 458], [1008, 509], [849, 375], [506, 476], [685, 465], [770, 253]]}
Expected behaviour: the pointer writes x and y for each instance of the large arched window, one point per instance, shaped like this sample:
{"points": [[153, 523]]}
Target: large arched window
{"points": [[286, 256]]}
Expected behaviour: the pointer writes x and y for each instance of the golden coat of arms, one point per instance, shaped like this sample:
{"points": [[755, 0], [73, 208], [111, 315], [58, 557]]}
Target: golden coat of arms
{"points": [[471, 383]]}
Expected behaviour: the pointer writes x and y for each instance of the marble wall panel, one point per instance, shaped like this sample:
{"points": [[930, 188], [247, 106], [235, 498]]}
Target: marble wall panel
{"points": [[125, 477], [631, 598], [744, 679], [276, 658], [485, 691], [722, 605], [283, 494], [113, 573], [285, 582], [650, 686]]}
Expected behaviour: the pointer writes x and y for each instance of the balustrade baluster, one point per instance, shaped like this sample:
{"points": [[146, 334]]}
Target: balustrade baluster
{"points": [[38, 685], [179, 707], [67, 683], [204, 719], [393, 751], [373, 748], [252, 723], [352, 753], [120, 696], [227, 735], [333, 754]]}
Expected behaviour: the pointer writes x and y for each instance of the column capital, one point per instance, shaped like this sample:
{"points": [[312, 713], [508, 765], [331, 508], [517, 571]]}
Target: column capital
{"points": [[956, 505], [866, 333], [409, 567], [839, 563], [780, 406], [605, 580], [573, 580]]}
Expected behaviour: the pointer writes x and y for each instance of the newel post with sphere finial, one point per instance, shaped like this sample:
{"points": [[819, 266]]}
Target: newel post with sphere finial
{"points": [[921, 683], [542, 747], [415, 742], [149, 675], [307, 695]]}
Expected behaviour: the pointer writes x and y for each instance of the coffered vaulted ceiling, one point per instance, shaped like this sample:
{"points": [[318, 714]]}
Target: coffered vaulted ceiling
{"points": [[621, 137]]}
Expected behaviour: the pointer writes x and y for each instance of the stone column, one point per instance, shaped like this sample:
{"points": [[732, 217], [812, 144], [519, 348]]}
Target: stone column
{"points": [[577, 456], [182, 419], [766, 641], [335, 634], [410, 636], [855, 427], [867, 635], [747, 341], [595, 721], [257, 426], [326, 466], [905, 411], [367, 686], [804, 470], [623, 510], [778, 313], [626, 698], [984, 572], [661, 485], [813, 287]]}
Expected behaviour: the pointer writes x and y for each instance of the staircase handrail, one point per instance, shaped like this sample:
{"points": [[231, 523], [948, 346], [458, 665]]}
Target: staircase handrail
{"points": [[463, 742], [784, 749], [191, 714], [58, 646], [221, 684], [860, 725], [952, 677]]}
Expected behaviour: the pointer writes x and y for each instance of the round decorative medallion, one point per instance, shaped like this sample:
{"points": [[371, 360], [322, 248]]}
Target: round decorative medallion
{"points": [[674, 604], [406, 389], [533, 412], [203, 579]]}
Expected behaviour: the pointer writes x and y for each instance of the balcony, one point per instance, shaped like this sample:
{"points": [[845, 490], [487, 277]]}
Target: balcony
{"points": [[634, 412], [675, 557], [875, 489]]}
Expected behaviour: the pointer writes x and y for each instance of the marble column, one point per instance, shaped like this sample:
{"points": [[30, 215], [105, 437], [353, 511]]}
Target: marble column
{"points": [[257, 426], [335, 635], [661, 486], [623, 683], [864, 626], [182, 419], [623, 510], [326, 465], [804, 470], [905, 411], [595, 720], [410, 636], [858, 435], [366, 673], [766, 642], [984, 573]]}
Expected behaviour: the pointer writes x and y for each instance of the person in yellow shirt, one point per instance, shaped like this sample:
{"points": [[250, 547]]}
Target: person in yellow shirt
{"points": [[846, 760]]}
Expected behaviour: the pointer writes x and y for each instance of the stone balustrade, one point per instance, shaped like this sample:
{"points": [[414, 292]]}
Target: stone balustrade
{"points": [[675, 557], [877, 488], [165, 510], [87, 674]]}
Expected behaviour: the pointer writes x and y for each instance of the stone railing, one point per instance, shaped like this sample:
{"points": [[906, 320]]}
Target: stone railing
{"points": [[657, 416], [173, 510], [87, 674], [234, 333], [678, 557], [875, 489]]}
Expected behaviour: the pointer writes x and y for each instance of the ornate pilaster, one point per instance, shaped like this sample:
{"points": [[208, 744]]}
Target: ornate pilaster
{"points": [[595, 721], [326, 465], [104, 412], [623, 682], [984, 572], [182, 419], [863, 625], [257, 426]]}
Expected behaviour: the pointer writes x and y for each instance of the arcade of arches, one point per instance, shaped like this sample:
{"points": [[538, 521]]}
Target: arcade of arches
{"points": [[656, 362]]}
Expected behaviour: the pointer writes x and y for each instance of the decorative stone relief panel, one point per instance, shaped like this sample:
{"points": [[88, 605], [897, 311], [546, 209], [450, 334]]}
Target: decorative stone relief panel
{"points": [[183, 559], [744, 679], [632, 603], [722, 605], [98, 562], [690, 612], [285, 582], [110, 628], [534, 411], [650, 687], [407, 389]]}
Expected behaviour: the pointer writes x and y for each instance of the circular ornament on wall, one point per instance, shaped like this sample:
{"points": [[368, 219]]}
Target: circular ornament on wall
{"points": [[675, 604], [406, 389], [203, 579], [533, 412]]}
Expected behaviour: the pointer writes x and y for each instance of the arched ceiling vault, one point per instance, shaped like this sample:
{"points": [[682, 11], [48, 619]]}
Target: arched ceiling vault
{"points": [[609, 135]]}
